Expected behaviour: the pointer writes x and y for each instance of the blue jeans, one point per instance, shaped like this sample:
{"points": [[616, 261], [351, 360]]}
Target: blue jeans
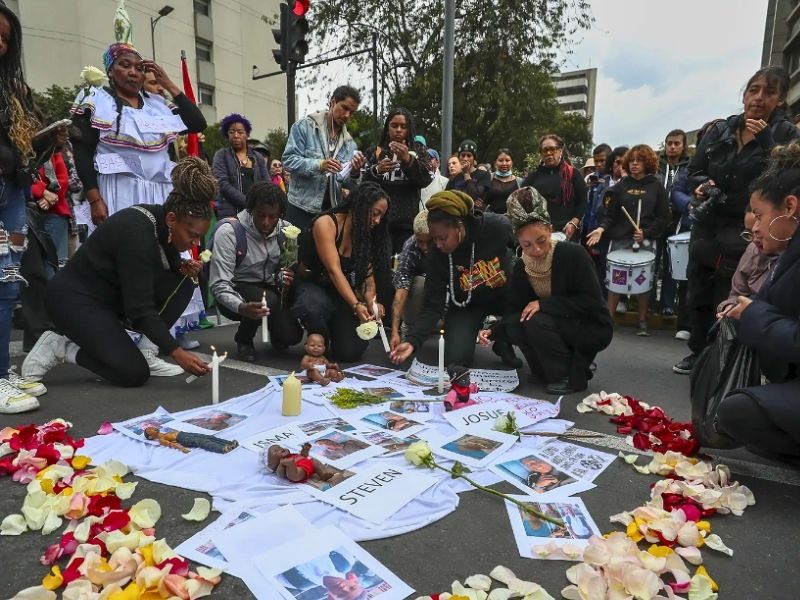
{"points": [[57, 227], [12, 221]]}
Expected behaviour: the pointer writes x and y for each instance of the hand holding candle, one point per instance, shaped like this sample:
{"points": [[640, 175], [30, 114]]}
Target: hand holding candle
{"points": [[264, 320]]}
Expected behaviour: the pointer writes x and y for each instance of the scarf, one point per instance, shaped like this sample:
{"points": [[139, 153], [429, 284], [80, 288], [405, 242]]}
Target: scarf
{"points": [[540, 271]]}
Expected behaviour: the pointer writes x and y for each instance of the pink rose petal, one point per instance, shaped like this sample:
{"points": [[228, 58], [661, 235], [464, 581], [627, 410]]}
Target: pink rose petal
{"points": [[105, 428]]}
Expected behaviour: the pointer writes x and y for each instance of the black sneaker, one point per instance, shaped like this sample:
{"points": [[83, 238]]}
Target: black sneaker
{"points": [[563, 388], [506, 353], [246, 352], [685, 366]]}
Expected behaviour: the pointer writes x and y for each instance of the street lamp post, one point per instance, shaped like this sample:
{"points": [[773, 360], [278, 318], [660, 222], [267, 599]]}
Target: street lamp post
{"points": [[165, 10], [447, 80]]}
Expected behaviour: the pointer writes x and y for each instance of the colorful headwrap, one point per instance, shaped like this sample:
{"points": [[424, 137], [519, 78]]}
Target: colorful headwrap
{"points": [[452, 202], [114, 51], [421, 223], [525, 206]]}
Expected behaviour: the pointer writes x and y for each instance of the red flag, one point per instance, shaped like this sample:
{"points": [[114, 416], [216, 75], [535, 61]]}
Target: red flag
{"points": [[192, 143]]}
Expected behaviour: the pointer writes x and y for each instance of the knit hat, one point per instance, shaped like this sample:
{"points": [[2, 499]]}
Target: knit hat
{"points": [[420, 139], [452, 202], [433, 153], [468, 146], [421, 223], [114, 51], [526, 206]]}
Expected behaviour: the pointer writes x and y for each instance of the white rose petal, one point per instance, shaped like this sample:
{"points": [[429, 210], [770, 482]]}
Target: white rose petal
{"points": [[479, 582], [199, 511], [714, 542], [13, 525]]}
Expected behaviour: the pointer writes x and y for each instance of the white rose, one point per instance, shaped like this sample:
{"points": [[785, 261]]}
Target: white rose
{"points": [[93, 76], [418, 453], [368, 330], [205, 256], [291, 232]]}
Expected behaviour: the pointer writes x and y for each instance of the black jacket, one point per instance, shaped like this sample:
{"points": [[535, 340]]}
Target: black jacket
{"points": [[118, 265], [480, 181], [626, 194], [493, 242], [402, 185], [547, 181], [771, 325], [576, 302], [231, 198]]}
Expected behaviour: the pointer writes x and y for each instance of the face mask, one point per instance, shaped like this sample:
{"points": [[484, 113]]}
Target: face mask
{"points": [[502, 173]]}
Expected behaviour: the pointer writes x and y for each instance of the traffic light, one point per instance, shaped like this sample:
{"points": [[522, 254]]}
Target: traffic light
{"points": [[291, 36]]}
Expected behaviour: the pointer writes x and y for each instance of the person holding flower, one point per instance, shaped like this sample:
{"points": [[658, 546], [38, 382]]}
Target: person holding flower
{"points": [[240, 277], [341, 256], [129, 274], [556, 313]]}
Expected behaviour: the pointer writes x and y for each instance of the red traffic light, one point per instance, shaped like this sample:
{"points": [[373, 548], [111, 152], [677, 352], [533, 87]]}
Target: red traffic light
{"points": [[300, 7]]}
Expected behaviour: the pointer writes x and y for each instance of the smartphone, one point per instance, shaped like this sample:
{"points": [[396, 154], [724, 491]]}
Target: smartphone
{"points": [[53, 126]]}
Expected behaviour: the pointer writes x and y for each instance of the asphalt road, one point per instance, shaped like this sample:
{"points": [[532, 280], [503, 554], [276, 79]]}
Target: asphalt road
{"points": [[477, 536]]}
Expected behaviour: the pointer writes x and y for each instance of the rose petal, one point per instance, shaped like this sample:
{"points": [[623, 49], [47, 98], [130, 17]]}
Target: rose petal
{"points": [[714, 542], [628, 458], [35, 593], [700, 589], [502, 574], [13, 525], [691, 555], [145, 513], [199, 511], [479, 582]]}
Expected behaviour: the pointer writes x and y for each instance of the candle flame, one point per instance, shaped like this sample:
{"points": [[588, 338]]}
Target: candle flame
{"points": [[441, 332]]}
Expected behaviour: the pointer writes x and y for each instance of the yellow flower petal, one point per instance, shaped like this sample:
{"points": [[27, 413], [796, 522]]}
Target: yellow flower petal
{"points": [[145, 513], [54, 580], [700, 588], [660, 551], [701, 571], [633, 532], [147, 555], [704, 526], [162, 551], [46, 485], [13, 525], [198, 588], [199, 511], [131, 592], [80, 462]]}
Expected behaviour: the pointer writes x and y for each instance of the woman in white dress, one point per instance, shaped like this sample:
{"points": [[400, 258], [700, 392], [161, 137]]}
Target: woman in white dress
{"points": [[121, 137]]}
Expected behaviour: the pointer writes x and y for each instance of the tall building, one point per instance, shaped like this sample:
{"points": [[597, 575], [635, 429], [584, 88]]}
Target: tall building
{"points": [[782, 44], [223, 40], [576, 91]]}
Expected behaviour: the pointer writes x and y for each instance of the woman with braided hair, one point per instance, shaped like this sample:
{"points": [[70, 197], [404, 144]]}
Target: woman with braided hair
{"points": [[129, 273], [341, 256], [556, 313], [467, 270]]}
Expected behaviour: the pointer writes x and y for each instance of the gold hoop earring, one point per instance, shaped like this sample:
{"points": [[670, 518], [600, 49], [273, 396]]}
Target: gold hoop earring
{"points": [[771, 223]]}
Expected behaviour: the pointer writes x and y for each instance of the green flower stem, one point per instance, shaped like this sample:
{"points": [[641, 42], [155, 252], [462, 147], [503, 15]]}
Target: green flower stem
{"points": [[525, 507]]}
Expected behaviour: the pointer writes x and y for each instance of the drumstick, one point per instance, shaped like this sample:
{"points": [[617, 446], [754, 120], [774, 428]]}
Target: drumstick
{"points": [[630, 218], [639, 214]]}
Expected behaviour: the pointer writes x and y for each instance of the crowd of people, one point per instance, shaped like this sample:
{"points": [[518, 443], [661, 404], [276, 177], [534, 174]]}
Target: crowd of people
{"points": [[328, 237]]}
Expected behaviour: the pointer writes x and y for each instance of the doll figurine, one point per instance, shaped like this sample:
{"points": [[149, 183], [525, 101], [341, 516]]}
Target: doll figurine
{"points": [[181, 440], [317, 367], [298, 468], [460, 388]]}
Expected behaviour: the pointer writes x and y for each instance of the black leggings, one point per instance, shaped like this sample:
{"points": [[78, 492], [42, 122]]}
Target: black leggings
{"points": [[461, 327], [284, 330], [106, 349], [742, 418]]}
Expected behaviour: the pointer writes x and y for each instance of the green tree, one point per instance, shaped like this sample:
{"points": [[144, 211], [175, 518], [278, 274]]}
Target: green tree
{"points": [[55, 101], [214, 140], [276, 141]]}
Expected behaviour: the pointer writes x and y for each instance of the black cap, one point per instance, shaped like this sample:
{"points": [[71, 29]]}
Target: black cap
{"points": [[468, 146]]}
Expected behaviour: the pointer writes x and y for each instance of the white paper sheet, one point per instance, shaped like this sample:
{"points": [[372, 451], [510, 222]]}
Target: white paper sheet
{"points": [[110, 162], [388, 420], [536, 410], [538, 477], [583, 463], [487, 380], [473, 450], [530, 531], [134, 428], [480, 418], [391, 443], [286, 434], [200, 547], [307, 567], [340, 449]]}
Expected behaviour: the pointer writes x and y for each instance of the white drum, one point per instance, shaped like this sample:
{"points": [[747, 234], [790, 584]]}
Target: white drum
{"points": [[679, 254], [630, 272], [559, 236]]}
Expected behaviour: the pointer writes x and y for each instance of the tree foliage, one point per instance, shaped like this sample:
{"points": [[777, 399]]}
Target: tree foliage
{"points": [[275, 140], [55, 102]]}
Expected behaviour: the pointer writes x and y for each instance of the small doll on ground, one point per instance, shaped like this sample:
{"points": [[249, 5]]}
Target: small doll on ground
{"points": [[298, 468], [181, 440], [460, 388], [317, 367]]}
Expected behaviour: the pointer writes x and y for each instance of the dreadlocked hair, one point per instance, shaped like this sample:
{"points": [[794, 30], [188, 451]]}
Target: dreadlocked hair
{"points": [[566, 170], [370, 256], [193, 191]]}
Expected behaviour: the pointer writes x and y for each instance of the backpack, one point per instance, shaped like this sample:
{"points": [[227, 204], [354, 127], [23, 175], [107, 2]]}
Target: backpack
{"points": [[241, 242]]}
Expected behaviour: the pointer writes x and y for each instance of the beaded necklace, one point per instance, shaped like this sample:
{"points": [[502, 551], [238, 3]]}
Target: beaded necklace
{"points": [[451, 290]]}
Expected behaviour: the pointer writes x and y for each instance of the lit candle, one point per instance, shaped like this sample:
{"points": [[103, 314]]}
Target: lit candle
{"points": [[264, 323], [215, 361], [291, 396], [381, 330], [441, 362]]}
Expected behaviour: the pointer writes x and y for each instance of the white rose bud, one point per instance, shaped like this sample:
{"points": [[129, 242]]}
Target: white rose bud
{"points": [[418, 453], [291, 232], [368, 330], [93, 76], [205, 256]]}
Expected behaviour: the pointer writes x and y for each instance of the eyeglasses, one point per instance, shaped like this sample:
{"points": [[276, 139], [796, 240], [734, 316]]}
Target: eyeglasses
{"points": [[746, 235], [549, 150]]}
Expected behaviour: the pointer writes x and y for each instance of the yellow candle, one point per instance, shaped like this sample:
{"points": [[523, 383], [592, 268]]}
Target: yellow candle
{"points": [[291, 396]]}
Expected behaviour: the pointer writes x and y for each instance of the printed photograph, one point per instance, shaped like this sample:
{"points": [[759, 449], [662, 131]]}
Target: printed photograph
{"points": [[390, 421], [337, 445], [137, 427], [337, 575], [349, 374], [472, 446], [313, 427], [576, 524], [216, 420], [535, 474], [371, 370], [384, 392], [390, 443], [211, 551], [410, 406], [339, 475], [304, 380]]}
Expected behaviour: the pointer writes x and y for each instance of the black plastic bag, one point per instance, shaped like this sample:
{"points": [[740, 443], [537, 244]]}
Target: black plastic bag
{"points": [[723, 366]]}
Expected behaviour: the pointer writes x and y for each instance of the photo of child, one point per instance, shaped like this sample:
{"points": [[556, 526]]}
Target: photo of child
{"points": [[384, 392], [216, 420], [371, 370], [314, 427], [339, 475], [536, 474], [337, 445], [138, 426], [410, 406], [390, 443], [472, 446], [390, 421]]}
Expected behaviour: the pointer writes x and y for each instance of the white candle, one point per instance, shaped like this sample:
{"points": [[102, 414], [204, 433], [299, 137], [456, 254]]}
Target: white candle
{"points": [[264, 322], [639, 215], [381, 330], [441, 362], [215, 362]]}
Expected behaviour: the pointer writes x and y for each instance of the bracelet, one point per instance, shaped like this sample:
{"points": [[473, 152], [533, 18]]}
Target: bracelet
{"points": [[355, 306]]}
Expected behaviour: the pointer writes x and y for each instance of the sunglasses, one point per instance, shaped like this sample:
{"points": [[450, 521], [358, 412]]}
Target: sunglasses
{"points": [[549, 150]]}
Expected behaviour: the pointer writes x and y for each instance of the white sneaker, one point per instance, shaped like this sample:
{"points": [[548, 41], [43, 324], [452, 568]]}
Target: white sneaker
{"points": [[622, 307], [683, 335], [187, 343], [159, 367], [50, 350], [34, 388], [13, 400]]}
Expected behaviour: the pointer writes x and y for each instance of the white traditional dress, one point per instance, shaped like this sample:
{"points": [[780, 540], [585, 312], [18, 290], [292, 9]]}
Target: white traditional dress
{"points": [[132, 161]]}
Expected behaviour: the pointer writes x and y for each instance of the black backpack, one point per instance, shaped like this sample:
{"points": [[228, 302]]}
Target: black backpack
{"points": [[241, 242]]}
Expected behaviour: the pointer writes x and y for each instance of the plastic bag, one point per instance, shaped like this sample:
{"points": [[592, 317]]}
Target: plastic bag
{"points": [[723, 366]]}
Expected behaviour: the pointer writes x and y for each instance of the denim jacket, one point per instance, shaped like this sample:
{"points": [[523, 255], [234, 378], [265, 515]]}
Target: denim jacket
{"points": [[305, 150]]}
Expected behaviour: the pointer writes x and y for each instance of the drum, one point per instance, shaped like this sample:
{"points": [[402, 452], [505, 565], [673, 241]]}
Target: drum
{"points": [[559, 236], [679, 254], [630, 272]]}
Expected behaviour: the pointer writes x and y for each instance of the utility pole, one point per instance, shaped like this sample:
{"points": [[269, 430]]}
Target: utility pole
{"points": [[447, 81], [375, 84]]}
